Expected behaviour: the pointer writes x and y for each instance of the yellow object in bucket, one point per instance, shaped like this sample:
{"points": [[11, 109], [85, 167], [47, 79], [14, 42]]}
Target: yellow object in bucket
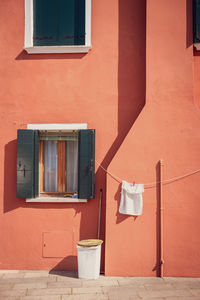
{"points": [[90, 243]]}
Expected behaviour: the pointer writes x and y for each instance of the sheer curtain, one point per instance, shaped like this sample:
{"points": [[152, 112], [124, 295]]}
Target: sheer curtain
{"points": [[72, 166], [50, 166]]}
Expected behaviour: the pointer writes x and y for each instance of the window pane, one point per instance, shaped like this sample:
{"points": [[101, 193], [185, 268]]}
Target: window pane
{"points": [[50, 166], [72, 166], [58, 22]]}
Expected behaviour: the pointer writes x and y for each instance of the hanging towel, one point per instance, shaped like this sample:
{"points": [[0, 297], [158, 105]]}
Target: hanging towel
{"points": [[131, 199]]}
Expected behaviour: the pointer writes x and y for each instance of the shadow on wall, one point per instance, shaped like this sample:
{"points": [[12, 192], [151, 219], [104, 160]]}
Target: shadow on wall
{"points": [[131, 83], [189, 23], [23, 55]]}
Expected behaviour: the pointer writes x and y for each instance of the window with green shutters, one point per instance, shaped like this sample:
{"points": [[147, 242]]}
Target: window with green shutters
{"points": [[49, 162], [57, 26]]}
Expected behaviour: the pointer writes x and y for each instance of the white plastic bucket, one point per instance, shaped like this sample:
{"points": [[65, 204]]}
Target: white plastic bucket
{"points": [[89, 262]]}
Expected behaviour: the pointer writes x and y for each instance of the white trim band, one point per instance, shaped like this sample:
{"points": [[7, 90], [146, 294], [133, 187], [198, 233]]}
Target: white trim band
{"points": [[58, 126], [56, 200]]}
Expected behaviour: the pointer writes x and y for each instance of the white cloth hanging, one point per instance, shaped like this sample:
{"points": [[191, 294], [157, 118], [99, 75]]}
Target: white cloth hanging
{"points": [[131, 202]]}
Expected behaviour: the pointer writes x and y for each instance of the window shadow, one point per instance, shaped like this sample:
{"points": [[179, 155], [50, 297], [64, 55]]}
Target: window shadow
{"points": [[23, 55], [189, 23]]}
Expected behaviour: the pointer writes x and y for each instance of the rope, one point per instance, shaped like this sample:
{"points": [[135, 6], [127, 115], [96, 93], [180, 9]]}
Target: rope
{"points": [[151, 183]]}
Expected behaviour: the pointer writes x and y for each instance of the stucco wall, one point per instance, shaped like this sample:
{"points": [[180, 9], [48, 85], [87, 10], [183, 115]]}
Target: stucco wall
{"points": [[168, 129], [104, 88]]}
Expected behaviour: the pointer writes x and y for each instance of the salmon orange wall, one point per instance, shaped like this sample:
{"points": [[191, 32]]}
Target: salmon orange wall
{"points": [[104, 88], [167, 128]]}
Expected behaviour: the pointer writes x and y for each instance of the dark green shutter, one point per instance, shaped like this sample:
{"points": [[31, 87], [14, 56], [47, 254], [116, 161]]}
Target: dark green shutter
{"points": [[58, 22], [86, 164], [27, 163], [196, 20]]}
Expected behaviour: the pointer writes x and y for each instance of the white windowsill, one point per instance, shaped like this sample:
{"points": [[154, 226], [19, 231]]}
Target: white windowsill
{"points": [[56, 200], [57, 49], [58, 126]]}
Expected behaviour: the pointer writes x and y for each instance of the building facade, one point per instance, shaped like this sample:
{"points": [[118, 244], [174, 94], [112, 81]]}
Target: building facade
{"points": [[132, 74]]}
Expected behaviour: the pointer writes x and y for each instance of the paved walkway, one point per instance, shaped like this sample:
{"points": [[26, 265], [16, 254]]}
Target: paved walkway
{"points": [[44, 285]]}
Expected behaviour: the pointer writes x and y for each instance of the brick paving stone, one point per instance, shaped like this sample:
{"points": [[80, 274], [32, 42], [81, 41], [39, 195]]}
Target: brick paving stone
{"points": [[159, 286], [12, 293], [120, 292], [157, 298], [87, 290], [140, 280], [131, 283], [66, 284], [195, 292], [36, 274], [30, 285], [186, 285], [9, 271], [181, 298], [8, 298], [181, 279], [47, 297], [65, 278], [12, 275], [165, 293], [49, 291], [85, 297], [6, 286], [27, 280], [89, 283]]}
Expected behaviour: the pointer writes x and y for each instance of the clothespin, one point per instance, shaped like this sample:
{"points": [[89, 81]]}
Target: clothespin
{"points": [[133, 183]]}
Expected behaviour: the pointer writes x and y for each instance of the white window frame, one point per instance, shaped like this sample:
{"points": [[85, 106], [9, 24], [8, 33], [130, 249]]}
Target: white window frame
{"points": [[57, 127], [28, 41]]}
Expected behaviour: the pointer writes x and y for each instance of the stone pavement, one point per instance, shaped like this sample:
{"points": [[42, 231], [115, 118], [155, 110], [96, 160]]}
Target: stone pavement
{"points": [[63, 285]]}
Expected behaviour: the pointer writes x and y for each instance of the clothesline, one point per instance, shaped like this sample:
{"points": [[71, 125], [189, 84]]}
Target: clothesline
{"points": [[150, 183]]}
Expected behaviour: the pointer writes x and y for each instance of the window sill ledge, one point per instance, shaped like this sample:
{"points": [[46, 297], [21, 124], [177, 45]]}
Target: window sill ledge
{"points": [[56, 200], [57, 49]]}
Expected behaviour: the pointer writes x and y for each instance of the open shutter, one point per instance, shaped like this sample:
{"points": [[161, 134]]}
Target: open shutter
{"points": [[27, 163], [86, 164], [196, 17]]}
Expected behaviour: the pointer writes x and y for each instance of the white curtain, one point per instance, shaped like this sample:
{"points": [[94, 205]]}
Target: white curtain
{"points": [[72, 166], [50, 166]]}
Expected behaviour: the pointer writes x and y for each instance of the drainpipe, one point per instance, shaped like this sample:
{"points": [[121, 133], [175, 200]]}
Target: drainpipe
{"points": [[161, 220]]}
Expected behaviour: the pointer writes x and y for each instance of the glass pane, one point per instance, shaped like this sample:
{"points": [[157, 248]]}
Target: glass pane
{"points": [[50, 166], [72, 166], [58, 22]]}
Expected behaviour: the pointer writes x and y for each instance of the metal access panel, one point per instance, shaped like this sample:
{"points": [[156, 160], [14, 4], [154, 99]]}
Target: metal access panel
{"points": [[59, 243]]}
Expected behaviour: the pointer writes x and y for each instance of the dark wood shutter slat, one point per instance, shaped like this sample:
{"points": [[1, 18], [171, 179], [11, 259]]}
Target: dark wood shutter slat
{"points": [[58, 22], [36, 162], [86, 178], [27, 182], [196, 17]]}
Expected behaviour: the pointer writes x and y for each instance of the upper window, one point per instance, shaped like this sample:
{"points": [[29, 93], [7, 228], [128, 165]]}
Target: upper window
{"points": [[57, 26]]}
